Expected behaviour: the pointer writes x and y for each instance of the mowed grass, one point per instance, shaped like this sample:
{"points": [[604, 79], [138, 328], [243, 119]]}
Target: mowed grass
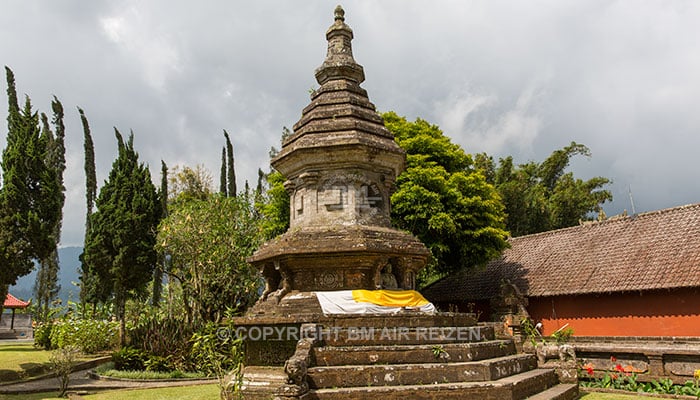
{"points": [[22, 360], [615, 396], [197, 392]]}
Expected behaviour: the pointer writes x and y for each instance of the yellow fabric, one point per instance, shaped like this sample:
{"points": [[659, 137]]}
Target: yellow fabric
{"points": [[390, 298]]}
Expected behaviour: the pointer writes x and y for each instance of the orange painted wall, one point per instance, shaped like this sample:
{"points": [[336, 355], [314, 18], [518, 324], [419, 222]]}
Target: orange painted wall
{"points": [[653, 313]]}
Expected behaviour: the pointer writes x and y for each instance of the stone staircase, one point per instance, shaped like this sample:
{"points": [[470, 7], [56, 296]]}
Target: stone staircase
{"points": [[382, 359]]}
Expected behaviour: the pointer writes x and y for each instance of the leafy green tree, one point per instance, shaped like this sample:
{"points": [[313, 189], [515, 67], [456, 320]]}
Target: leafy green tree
{"points": [[443, 200], [273, 205], [187, 183], [208, 241], [543, 196], [123, 229]]}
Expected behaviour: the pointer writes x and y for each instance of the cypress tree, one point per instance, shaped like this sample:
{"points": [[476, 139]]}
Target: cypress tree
{"points": [[222, 176], [162, 259], [46, 286], [123, 229], [90, 289], [29, 207], [231, 172]]}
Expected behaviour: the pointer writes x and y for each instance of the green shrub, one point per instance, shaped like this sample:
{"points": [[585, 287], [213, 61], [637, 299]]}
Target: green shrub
{"points": [[163, 336], [42, 335], [129, 359], [91, 336], [158, 364]]}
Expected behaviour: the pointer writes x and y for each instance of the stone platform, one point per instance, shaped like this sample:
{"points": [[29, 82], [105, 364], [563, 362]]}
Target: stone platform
{"points": [[441, 356]]}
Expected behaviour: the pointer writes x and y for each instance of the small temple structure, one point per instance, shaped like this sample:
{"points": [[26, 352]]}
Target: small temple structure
{"points": [[339, 317], [340, 166]]}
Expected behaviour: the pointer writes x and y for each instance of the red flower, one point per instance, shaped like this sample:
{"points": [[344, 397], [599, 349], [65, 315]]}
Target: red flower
{"points": [[589, 370], [613, 359], [619, 368]]}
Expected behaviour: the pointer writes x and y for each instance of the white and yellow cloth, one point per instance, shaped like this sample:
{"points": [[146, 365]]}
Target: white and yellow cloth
{"points": [[373, 302]]}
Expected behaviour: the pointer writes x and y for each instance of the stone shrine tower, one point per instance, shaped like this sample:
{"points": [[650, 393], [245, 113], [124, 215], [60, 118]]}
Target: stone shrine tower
{"points": [[340, 166]]}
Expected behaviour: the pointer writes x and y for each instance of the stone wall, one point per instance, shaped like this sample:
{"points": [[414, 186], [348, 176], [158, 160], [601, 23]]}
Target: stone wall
{"points": [[650, 357]]}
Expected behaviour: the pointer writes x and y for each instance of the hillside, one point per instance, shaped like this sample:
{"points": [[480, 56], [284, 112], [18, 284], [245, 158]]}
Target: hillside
{"points": [[69, 262]]}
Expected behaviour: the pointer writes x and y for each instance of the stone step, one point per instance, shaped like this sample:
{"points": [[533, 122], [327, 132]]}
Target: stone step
{"points": [[531, 382], [404, 335], [259, 382], [562, 391], [408, 354], [421, 373], [503, 389]]}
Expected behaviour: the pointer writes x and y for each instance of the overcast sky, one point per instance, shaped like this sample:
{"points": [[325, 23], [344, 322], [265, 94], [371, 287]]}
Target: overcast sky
{"points": [[519, 78]]}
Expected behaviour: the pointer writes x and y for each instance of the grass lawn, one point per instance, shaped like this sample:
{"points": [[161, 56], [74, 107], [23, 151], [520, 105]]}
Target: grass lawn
{"points": [[615, 396], [22, 360], [198, 392]]}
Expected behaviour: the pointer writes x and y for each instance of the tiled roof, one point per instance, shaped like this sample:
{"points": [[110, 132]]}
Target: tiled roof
{"points": [[13, 302], [654, 250]]}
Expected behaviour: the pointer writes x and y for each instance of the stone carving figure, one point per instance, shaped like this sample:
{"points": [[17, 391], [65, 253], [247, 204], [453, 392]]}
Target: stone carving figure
{"points": [[389, 279]]}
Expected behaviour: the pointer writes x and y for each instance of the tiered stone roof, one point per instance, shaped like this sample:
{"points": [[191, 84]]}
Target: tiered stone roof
{"points": [[340, 115], [649, 251]]}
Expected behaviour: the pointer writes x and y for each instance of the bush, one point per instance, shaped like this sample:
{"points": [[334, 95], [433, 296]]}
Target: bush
{"points": [[163, 336], [129, 359], [158, 364], [89, 335], [42, 335]]}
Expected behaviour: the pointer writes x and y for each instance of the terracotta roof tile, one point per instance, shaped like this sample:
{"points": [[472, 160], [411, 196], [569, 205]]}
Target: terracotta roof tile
{"points": [[13, 302], [654, 250]]}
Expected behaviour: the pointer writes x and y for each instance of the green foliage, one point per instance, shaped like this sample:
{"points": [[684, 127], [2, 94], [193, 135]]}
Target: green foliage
{"points": [[62, 361], [107, 369], [42, 335], [158, 364], [160, 335], [129, 359], [230, 170], [90, 289], [90, 336], [624, 378], [563, 335], [443, 200], [120, 248], [274, 206], [220, 355], [208, 241], [31, 197], [541, 197]]}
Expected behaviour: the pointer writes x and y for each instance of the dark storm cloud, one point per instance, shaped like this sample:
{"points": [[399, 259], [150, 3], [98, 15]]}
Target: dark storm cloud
{"points": [[509, 78]]}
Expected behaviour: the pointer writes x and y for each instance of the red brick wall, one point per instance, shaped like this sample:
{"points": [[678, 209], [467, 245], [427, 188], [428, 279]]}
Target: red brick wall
{"points": [[655, 313]]}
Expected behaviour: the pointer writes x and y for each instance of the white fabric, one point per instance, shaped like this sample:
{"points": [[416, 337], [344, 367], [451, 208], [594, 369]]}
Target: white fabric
{"points": [[342, 302]]}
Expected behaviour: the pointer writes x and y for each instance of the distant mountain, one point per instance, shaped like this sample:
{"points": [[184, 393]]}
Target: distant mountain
{"points": [[69, 263]]}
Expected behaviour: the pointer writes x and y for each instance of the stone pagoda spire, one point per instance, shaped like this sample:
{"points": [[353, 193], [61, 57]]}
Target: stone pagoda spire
{"points": [[340, 166], [341, 144]]}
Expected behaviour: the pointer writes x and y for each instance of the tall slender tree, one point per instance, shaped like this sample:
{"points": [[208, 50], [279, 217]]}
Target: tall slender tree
{"points": [[90, 289], [46, 286], [123, 229], [162, 257], [230, 170], [15, 257], [222, 177], [30, 201]]}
